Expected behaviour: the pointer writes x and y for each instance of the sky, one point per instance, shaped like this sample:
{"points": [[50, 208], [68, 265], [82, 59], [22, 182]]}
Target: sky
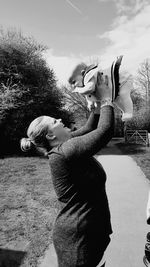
{"points": [[83, 31]]}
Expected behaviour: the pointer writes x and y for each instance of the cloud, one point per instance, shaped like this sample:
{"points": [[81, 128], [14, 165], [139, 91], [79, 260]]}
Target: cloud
{"points": [[61, 65], [128, 6], [130, 37]]}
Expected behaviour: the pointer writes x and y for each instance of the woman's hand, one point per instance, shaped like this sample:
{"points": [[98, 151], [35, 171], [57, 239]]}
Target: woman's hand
{"points": [[103, 89]]}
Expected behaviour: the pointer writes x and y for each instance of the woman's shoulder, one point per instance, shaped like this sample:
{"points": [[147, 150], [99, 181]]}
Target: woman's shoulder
{"points": [[57, 154], [57, 160]]}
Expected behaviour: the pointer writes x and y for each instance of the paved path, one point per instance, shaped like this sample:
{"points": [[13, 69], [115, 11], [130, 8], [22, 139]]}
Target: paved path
{"points": [[127, 190]]}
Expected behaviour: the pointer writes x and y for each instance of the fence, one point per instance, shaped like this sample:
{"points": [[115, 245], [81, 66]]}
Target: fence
{"points": [[137, 136]]}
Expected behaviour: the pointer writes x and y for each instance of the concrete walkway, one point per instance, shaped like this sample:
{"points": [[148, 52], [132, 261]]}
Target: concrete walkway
{"points": [[127, 190]]}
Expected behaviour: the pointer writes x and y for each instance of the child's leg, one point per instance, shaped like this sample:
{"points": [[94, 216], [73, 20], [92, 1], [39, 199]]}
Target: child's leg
{"points": [[115, 77], [124, 101], [121, 93]]}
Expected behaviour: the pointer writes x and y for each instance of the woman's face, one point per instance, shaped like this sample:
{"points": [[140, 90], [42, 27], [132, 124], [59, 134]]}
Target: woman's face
{"points": [[58, 129]]}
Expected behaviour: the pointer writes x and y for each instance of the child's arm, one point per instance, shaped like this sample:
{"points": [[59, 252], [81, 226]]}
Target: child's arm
{"points": [[87, 89]]}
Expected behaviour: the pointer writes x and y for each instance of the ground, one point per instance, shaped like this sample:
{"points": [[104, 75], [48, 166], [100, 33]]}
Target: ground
{"points": [[28, 204], [28, 208]]}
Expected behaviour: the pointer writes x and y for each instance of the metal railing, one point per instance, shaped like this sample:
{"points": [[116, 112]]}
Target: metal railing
{"points": [[137, 136]]}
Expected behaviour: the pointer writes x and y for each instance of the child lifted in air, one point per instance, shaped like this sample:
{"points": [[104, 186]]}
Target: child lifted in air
{"points": [[84, 81]]}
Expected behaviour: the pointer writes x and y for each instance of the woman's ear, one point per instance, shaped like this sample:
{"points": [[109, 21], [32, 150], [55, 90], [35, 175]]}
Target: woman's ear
{"points": [[50, 137]]}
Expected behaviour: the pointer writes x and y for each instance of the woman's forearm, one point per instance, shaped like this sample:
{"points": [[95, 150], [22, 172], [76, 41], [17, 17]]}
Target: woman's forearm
{"points": [[106, 122], [89, 126], [91, 143]]}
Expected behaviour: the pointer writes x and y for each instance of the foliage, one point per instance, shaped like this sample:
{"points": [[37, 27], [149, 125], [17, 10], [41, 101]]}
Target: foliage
{"points": [[137, 99], [27, 87], [140, 120], [141, 98], [143, 78], [76, 104]]}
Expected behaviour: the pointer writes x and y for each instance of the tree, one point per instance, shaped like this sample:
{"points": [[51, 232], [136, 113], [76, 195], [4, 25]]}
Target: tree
{"points": [[27, 87], [137, 99], [141, 98], [143, 79], [140, 120], [76, 104]]}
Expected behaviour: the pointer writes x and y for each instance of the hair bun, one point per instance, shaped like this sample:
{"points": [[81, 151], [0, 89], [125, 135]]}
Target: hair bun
{"points": [[25, 144]]}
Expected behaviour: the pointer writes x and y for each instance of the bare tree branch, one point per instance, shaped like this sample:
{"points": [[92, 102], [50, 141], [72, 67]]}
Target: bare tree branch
{"points": [[144, 77], [75, 102]]}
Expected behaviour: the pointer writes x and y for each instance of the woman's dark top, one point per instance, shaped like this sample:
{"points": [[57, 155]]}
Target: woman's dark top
{"points": [[82, 227]]}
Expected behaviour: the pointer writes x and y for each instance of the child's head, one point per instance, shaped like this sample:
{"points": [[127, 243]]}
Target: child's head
{"points": [[76, 78]]}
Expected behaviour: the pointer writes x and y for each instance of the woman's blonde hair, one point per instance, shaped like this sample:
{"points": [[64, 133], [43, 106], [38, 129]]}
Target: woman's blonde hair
{"points": [[36, 133]]}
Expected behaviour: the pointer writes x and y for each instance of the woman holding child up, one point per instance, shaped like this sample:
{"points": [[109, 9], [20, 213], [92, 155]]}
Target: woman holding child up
{"points": [[82, 228]]}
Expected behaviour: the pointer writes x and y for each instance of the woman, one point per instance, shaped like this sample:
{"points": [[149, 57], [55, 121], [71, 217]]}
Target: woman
{"points": [[82, 227]]}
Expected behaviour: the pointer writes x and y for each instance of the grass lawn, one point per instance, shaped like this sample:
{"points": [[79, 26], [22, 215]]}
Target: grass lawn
{"points": [[28, 208], [28, 205]]}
